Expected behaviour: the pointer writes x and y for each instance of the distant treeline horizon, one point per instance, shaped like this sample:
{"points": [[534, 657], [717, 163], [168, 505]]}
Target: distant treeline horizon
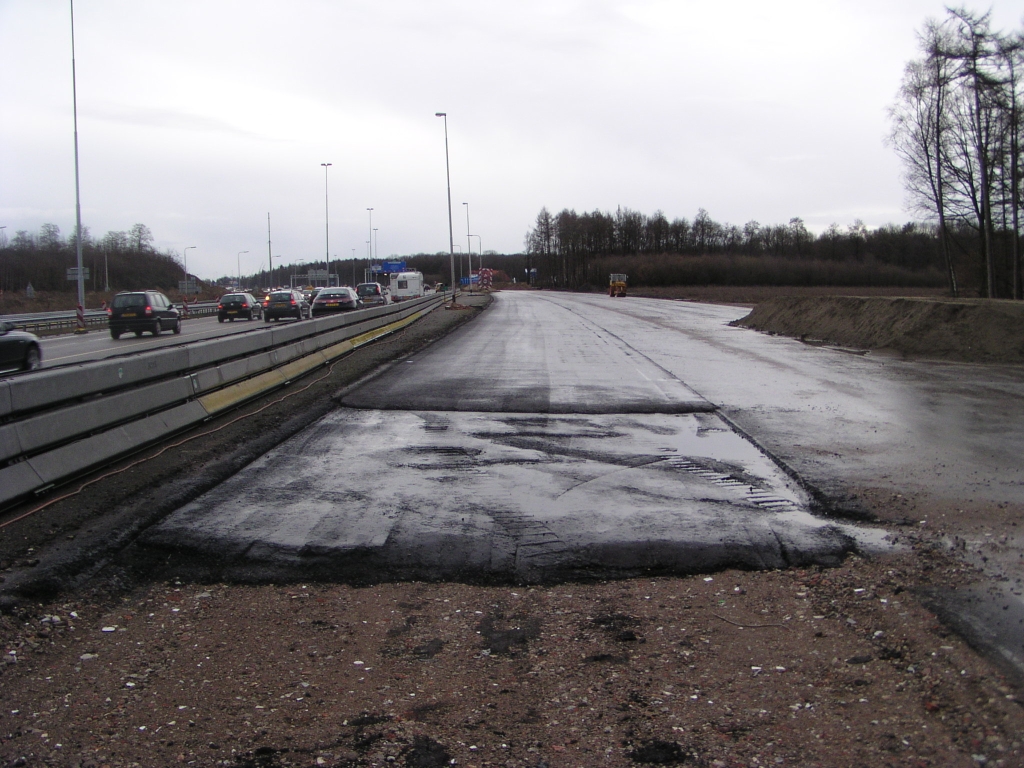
{"points": [[577, 251], [569, 251]]}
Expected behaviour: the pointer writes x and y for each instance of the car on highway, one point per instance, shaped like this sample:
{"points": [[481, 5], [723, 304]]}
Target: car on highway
{"points": [[372, 294], [335, 300], [142, 312], [285, 304], [19, 350], [235, 305]]}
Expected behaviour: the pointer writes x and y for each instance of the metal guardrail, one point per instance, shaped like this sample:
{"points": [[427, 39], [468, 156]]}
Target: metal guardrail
{"points": [[65, 320], [57, 423]]}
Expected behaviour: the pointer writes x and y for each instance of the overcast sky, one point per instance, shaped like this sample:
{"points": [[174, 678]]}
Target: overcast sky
{"points": [[200, 117]]}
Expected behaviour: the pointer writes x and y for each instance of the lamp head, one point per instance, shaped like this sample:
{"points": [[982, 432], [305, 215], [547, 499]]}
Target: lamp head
{"points": [[440, 114]]}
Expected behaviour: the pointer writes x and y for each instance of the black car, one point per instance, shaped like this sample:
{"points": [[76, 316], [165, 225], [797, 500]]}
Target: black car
{"points": [[19, 350], [232, 305], [141, 312], [285, 304], [335, 300]]}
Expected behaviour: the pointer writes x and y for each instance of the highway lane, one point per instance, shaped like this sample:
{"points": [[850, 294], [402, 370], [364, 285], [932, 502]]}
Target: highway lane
{"points": [[839, 418], [533, 444], [97, 344]]}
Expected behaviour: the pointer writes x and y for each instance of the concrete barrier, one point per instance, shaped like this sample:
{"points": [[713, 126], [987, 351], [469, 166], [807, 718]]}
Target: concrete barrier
{"points": [[49, 446], [51, 387], [55, 427]]}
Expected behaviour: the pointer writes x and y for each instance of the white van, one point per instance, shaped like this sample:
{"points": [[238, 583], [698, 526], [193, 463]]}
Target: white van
{"points": [[406, 285]]}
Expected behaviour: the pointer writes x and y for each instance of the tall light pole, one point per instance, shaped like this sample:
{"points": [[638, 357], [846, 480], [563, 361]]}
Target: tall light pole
{"points": [[469, 247], [184, 258], [448, 175], [270, 258], [376, 253], [78, 197], [239, 260], [479, 254], [369, 250], [327, 220]]}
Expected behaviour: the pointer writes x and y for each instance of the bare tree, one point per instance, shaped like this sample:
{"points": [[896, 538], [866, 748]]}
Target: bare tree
{"points": [[919, 127], [49, 237], [140, 238], [1011, 55], [974, 49]]}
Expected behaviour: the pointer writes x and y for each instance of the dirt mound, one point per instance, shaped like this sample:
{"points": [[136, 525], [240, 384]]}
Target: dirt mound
{"points": [[970, 330]]}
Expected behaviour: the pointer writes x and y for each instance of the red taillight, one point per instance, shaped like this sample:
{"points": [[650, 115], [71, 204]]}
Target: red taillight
{"points": [[245, 305], [220, 306], [293, 302], [149, 310], [109, 312]]}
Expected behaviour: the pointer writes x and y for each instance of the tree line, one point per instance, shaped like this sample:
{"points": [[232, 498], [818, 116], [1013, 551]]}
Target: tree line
{"points": [[956, 125], [127, 257], [574, 251]]}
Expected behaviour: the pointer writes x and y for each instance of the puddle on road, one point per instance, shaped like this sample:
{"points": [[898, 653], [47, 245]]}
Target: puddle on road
{"points": [[524, 496]]}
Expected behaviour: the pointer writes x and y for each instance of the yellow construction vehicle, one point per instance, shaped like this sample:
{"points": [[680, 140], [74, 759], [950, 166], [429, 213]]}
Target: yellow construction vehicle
{"points": [[617, 285]]}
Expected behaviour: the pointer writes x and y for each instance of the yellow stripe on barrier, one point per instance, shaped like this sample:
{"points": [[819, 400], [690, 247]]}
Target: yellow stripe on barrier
{"points": [[231, 396], [366, 338], [243, 390]]}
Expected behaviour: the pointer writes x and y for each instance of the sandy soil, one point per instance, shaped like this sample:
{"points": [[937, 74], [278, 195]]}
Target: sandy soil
{"points": [[970, 330], [101, 665], [749, 295]]}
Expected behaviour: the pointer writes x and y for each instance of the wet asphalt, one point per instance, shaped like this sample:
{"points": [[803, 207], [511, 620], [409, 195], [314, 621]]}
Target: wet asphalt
{"points": [[555, 437]]}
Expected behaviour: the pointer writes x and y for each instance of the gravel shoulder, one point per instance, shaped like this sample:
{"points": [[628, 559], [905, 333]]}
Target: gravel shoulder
{"points": [[820, 667]]}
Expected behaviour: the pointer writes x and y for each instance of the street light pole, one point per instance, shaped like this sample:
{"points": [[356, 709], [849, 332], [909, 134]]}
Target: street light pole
{"points": [[327, 220], [238, 258], [369, 250], [376, 253], [184, 258], [78, 199], [480, 254], [448, 175], [469, 247], [270, 258]]}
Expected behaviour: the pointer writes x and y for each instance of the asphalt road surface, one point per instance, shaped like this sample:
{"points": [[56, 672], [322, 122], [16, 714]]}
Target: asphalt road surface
{"points": [[557, 436]]}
